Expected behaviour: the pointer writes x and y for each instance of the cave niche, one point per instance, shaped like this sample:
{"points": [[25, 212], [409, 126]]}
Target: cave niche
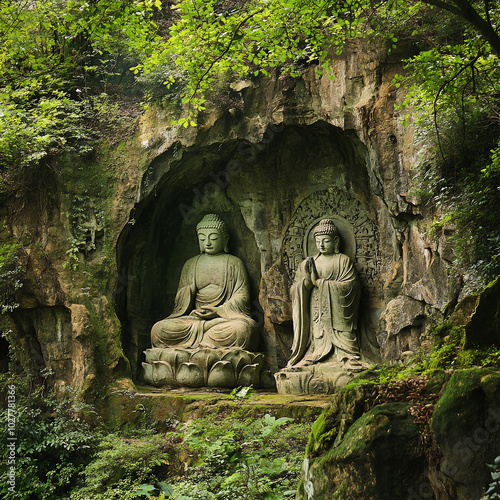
{"points": [[256, 188]]}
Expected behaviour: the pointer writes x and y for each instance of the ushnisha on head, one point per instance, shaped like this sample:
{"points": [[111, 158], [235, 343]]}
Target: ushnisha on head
{"points": [[327, 237], [213, 236]]}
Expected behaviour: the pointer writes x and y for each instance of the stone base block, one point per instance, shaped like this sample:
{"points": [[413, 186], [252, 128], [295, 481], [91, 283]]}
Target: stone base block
{"points": [[315, 379], [204, 367]]}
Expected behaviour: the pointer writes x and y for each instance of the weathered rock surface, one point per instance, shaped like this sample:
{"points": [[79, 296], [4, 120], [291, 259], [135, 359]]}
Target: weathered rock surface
{"points": [[466, 427], [480, 315], [379, 457], [148, 407]]}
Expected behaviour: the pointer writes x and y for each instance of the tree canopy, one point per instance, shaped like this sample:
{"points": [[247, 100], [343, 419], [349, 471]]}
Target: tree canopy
{"points": [[211, 39], [55, 59]]}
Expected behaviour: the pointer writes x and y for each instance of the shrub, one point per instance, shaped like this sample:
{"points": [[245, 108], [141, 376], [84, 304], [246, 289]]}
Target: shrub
{"points": [[122, 464], [53, 441]]}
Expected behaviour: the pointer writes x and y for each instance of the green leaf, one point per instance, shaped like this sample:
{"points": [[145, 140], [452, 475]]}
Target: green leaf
{"points": [[145, 490], [166, 488]]}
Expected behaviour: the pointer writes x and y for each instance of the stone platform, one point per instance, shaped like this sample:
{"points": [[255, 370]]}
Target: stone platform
{"points": [[159, 408]]}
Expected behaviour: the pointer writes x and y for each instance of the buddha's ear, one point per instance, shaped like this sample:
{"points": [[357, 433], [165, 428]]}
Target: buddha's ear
{"points": [[201, 245], [336, 244], [226, 244]]}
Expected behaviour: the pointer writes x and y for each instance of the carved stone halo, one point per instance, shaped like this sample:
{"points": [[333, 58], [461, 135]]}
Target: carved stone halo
{"points": [[357, 230], [346, 233]]}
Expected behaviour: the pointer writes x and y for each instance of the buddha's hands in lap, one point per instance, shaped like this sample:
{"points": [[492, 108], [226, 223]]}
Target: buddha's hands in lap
{"points": [[206, 312]]}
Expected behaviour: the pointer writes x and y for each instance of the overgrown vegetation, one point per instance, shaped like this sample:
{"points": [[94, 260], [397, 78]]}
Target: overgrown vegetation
{"points": [[122, 463], [453, 96], [226, 457], [50, 438], [61, 449], [214, 39], [448, 352], [58, 63], [493, 491], [239, 459]]}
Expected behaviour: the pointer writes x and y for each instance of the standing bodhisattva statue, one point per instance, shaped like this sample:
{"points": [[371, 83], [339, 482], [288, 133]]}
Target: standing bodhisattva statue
{"points": [[212, 301], [325, 301]]}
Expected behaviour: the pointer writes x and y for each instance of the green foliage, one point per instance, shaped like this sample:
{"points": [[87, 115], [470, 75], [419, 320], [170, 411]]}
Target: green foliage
{"points": [[53, 441], [122, 465], [33, 128], [12, 275], [448, 352], [475, 213], [229, 458], [493, 491], [242, 392], [54, 57], [213, 39], [243, 459], [147, 490]]}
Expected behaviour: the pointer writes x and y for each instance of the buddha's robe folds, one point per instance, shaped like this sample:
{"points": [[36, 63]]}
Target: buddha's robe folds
{"points": [[232, 327], [325, 315]]}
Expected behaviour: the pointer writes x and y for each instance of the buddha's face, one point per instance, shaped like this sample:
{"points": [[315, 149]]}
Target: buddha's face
{"points": [[211, 241], [327, 244]]}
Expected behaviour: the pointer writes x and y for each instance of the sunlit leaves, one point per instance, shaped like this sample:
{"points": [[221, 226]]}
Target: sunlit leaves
{"points": [[54, 36], [50, 51], [212, 40], [454, 82]]}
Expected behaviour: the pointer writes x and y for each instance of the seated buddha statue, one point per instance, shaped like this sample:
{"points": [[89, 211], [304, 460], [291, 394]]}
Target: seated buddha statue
{"points": [[212, 301]]}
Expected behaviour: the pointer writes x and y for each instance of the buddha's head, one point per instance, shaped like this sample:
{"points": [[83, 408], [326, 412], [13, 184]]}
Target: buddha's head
{"points": [[212, 235], [327, 237]]}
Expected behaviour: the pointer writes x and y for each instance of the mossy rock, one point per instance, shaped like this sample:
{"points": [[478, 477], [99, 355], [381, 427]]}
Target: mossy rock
{"points": [[466, 426], [480, 316], [157, 409], [380, 456], [346, 406]]}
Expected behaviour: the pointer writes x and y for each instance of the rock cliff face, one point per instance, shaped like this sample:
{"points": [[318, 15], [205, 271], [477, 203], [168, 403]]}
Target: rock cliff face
{"points": [[363, 448], [103, 264]]}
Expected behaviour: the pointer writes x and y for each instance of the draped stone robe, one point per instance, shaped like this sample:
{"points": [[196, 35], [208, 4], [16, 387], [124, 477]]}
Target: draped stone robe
{"points": [[325, 315], [233, 326]]}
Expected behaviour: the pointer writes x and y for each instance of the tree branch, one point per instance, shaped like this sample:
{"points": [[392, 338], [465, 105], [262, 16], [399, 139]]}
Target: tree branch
{"points": [[484, 28], [224, 52], [465, 10], [443, 86], [445, 6]]}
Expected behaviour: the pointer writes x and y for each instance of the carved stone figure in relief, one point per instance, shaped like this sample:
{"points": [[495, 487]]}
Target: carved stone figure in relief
{"points": [[212, 300], [325, 302]]}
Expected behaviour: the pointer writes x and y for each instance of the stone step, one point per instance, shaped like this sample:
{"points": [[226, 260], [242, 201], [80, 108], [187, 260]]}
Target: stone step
{"points": [[161, 409]]}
